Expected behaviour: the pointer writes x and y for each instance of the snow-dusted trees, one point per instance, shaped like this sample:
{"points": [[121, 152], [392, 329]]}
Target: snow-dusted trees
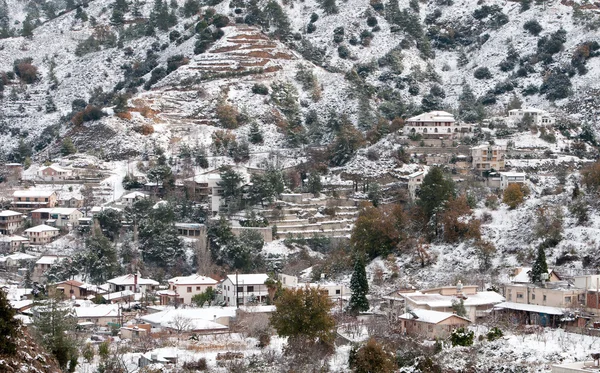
{"points": [[539, 266], [243, 252], [373, 357], [513, 195], [435, 190], [378, 231]]}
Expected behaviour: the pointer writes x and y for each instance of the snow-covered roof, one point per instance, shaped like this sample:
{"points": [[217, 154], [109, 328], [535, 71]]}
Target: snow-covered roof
{"points": [[130, 280], [513, 174], [441, 301], [41, 228], [118, 295], [7, 213], [428, 316], [433, 116], [251, 279], [527, 110], [198, 318], [49, 259], [99, 310], [530, 308], [415, 174], [258, 309], [13, 238], [134, 195], [33, 193], [57, 210], [17, 256], [54, 167], [193, 280], [523, 276], [20, 304]]}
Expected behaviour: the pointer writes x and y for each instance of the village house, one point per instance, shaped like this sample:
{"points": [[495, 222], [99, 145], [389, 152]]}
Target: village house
{"points": [[537, 117], [98, 314], [10, 221], [54, 173], [13, 243], [27, 200], [335, 291], [14, 170], [182, 289], [198, 320], [124, 296], [445, 299], [130, 198], [43, 264], [74, 289], [507, 178], [16, 260], [591, 285], [70, 201], [434, 125], [414, 182], [41, 234], [238, 289], [132, 282], [488, 157], [134, 332], [429, 324], [57, 217]]}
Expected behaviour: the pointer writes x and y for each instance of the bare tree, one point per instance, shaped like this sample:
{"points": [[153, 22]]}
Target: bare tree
{"points": [[181, 324]]}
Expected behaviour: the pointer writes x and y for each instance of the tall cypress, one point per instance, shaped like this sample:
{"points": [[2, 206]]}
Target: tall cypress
{"points": [[359, 286], [539, 266]]}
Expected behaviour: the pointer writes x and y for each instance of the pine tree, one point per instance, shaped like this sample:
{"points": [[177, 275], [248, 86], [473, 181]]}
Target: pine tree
{"points": [[255, 136], [539, 266], [50, 106], [359, 286], [9, 327], [27, 29], [67, 147]]}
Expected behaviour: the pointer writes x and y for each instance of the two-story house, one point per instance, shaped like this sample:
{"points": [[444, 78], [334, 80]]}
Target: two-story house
{"points": [[239, 289], [43, 264], [535, 116], [13, 243], [130, 198], [58, 216], [10, 221], [41, 234], [435, 125], [54, 173], [28, 200], [183, 288], [132, 282], [488, 157]]}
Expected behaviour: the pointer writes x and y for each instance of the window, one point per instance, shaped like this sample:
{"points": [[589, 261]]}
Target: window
{"points": [[250, 289], [567, 299], [532, 296], [338, 291], [189, 289], [519, 295], [544, 298], [240, 289], [198, 288]]}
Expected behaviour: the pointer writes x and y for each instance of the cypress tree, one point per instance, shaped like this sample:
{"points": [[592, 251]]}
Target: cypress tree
{"points": [[255, 136], [359, 286], [9, 327], [539, 266]]}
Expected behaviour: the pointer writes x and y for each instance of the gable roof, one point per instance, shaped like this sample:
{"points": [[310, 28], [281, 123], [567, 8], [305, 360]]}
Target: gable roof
{"points": [[430, 317], [442, 301], [9, 213], [41, 228], [433, 116], [130, 280], [133, 195], [53, 167], [33, 193], [49, 259], [523, 276]]}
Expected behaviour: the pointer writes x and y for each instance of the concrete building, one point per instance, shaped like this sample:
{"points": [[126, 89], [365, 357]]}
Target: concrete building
{"points": [[182, 289], [13, 243], [43, 264], [54, 173], [488, 157], [41, 234], [57, 217], [130, 198], [28, 200], [244, 288], [10, 221], [414, 183], [431, 324], [334, 290], [507, 178], [98, 314], [537, 116]]}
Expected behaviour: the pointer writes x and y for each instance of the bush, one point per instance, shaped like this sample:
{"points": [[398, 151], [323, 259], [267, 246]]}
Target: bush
{"points": [[343, 52], [462, 337], [25, 70], [533, 26], [513, 195], [314, 18], [556, 86], [530, 90], [311, 28], [90, 113], [260, 89], [494, 334], [371, 358], [199, 364], [372, 21], [174, 35], [482, 73]]}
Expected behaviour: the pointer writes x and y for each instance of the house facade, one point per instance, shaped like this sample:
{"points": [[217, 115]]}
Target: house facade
{"points": [[28, 200], [414, 183], [58, 216], [130, 198], [13, 243], [132, 282], [536, 116], [334, 290], [10, 221], [54, 173], [434, 125], [41, 234], [428, 324], [488, 157], [43, 264], [507, 178], [242, 289], [182, 289]]}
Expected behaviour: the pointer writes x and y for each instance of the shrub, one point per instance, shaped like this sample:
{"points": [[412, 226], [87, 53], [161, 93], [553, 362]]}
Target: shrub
{"points": [[343, 52], [199, 364], [144, 129], [371, 358], [260, 89], [88, 114], [314, 18], [174, 35], [482, 73], [530, 90], [462, 337], [311, 28], [556, 86], [25, 70], [372, 21], [227, 115], [513, 196], [494, 334], [533, 26]]}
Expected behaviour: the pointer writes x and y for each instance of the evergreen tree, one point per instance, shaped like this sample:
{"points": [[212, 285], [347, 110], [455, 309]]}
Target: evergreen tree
{"points": [[27, 29], [136, 10], [9, 327], [191, 7], [328, 6], [359, 286], [101, 259], [117, 18], [276, 17], [539, 266], [435, 190], [255, 136], [121, 5], [50, 106], [67, 147]]}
